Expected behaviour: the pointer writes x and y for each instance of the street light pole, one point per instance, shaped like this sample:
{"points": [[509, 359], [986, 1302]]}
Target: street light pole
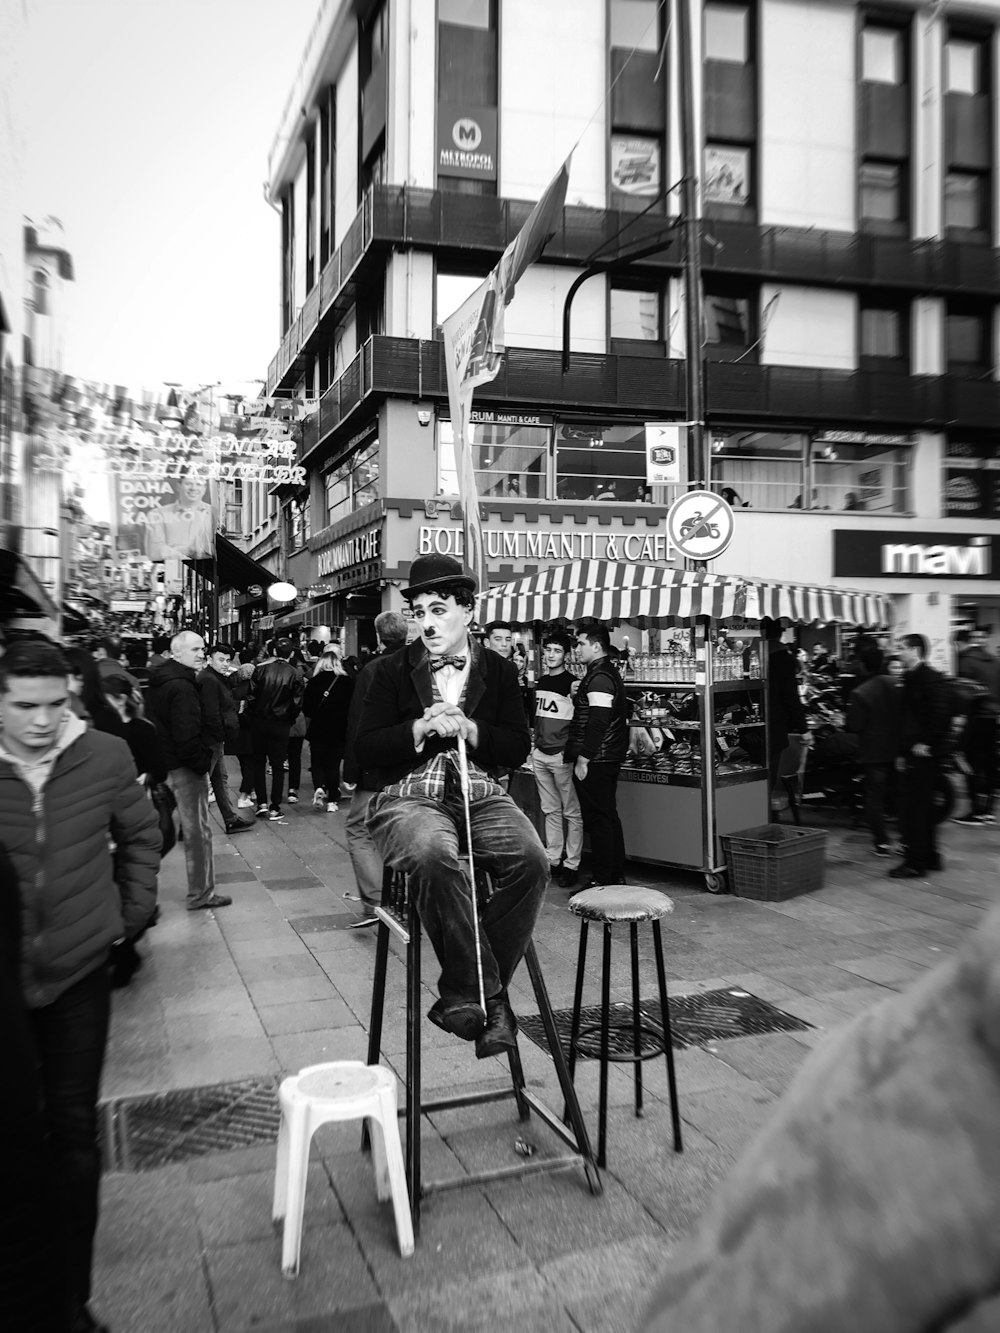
{"points": [[698, 460]]}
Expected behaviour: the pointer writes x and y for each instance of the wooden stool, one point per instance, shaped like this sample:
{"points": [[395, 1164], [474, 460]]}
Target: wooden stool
{"points": [[615, 904], [397, 916]]}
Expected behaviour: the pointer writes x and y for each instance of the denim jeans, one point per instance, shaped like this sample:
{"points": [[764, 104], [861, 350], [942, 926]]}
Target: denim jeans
{"points": [[270, 745], [325, 759], [421, 837], [190, 791], [70, 1036], [558, 799], [220, 784], [364, 854], [598, 795]]}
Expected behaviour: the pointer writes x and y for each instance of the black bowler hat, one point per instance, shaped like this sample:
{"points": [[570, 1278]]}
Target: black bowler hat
{"points": [[430, 571]]}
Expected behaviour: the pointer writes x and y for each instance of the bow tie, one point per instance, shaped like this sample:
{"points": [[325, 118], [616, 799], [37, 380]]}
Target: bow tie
{"points": [[436, 663]]}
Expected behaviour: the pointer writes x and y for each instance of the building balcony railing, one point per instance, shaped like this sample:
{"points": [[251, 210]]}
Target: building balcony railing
{"points": [[394, 215], [651, 389]]}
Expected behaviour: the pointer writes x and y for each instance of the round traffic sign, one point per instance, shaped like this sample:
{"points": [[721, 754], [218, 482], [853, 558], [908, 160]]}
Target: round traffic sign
{"points": [[700, 525]]}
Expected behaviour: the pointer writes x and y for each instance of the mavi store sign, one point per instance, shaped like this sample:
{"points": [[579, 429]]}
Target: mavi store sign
{"points": [[915, 555]]}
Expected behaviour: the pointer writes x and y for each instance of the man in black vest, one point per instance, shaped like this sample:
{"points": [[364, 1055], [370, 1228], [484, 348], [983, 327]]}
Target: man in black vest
{"points": [[274, 701], [597, 745], [420, 700]]}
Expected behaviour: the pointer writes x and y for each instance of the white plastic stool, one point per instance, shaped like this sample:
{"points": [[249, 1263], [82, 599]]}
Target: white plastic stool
{"points": [[317, 1095]]}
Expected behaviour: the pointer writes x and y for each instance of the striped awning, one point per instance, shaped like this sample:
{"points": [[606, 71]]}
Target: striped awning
{"points": [[650, 594]]}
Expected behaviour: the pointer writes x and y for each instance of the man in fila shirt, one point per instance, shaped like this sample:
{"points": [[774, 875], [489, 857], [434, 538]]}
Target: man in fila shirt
{"points": [[420, 700], [553, 772]]}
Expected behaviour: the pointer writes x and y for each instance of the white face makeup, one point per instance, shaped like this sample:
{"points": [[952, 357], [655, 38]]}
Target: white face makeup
{"points": [[443, 624]]}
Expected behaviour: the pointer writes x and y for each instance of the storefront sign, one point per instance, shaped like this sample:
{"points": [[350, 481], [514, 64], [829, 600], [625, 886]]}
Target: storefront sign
{"points": [[663, 453], [485, 417], [467, 142], [861, 437], [915, 555], [971, 480], [359, 549], [635, 165], [547, 544]]}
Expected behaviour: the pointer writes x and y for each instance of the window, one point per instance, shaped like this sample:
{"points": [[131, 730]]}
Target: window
{"points": [[965, 200], [451, 289], [963, 66], [40, 292], [883, 337], [634, 315], [728, 329], [727, 33], [511, 459], [765, 468], [882, 191], [858, 478], [634, 24], [353, 484], [727, 175], [967, 340], [882, 55], [467, 13], [600, 462]]}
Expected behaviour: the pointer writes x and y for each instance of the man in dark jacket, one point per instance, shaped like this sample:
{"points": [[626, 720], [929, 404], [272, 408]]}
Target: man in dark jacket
{"points": [[391, 628], [174, 704], [979, 732], [274, 701], [923, 750], [597, 744], [66, 793], [419, 701], [221, 721], [874, 715], [786, 716]]}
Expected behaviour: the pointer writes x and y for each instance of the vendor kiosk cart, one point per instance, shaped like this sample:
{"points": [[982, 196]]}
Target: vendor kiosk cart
{"points": [[697, 763]]}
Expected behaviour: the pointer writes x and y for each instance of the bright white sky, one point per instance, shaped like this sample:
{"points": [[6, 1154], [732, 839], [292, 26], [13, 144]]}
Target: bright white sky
{"points": [[148, 139]]}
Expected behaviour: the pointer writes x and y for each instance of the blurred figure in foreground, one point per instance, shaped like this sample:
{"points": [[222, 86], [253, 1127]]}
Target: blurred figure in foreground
{"points": [[871, 1201]]}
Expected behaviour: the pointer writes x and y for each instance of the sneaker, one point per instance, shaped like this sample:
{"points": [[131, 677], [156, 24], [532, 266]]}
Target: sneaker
{"points": [[275, 813], [987, 819], [883, 849], [210, 904], [319, 798], [332, 807], [238, 826], [211, 798], [293, 798], [262, 812], [970, 820], [245, 802]]}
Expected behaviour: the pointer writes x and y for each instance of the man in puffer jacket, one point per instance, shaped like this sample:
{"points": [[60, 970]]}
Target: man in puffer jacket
{"points": [[65, 794]]}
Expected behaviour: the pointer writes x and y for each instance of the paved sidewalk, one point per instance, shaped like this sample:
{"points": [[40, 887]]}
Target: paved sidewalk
{"points": [[277, 981]]}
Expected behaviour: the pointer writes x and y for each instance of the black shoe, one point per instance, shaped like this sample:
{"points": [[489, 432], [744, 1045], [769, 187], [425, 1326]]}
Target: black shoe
{"points": [[970, 820], [905, 872], [86, 1323], [462, 1018], [216, 900], [554, 873], [499, 1036], [569, 879], [935, 864], [238, 826]]}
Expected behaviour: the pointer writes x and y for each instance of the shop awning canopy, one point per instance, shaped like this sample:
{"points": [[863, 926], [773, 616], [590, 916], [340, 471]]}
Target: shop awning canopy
{"points": [[21, 591], [232, 568], [649, 595]]}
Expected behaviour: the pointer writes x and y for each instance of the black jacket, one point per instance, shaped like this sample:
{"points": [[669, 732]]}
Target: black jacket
{"points": [[926, 713], [174, 706], [401, 689], [978, 664], [353, 772], [599, 734], [275, 692], [875, 715], [218, 707], [785, 711], [327, 699]]}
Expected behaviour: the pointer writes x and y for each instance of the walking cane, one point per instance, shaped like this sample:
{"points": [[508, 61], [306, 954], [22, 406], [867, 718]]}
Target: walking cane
{"points": [[463, 769]]}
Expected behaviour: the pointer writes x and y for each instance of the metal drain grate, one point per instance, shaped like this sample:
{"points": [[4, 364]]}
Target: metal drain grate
{"points": [[141, 1133], [713, 1015]]}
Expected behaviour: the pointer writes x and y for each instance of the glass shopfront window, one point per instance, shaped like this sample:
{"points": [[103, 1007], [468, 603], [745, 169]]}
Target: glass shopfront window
{"points": [[353, 484], [600, 462], [829, 472], [511, 459]]}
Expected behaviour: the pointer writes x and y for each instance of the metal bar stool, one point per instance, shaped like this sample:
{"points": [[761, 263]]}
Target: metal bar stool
{"points": [[618, 904], [398, 916]]}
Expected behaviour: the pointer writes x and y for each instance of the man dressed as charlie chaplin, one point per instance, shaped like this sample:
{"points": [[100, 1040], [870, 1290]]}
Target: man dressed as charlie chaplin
{"points": [[446, 685]]}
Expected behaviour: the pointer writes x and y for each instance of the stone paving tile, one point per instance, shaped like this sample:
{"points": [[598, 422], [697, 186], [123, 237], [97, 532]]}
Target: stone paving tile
{"points": [[306, 1016], [220, 1062], [153, 1291], [276, 885], [281, 943], [238, 1209], [885, 971], [296, 1050], [673, 1187], [604, 1289], [521, 1300], [299, 964], [772, 1060], [726, 1117], [248, 1289], [146, 1213], [290, 990], [228, 999]]}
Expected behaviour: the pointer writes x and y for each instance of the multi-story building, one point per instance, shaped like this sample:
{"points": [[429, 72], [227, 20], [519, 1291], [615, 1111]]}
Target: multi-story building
{"points": [[850, 218]]}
